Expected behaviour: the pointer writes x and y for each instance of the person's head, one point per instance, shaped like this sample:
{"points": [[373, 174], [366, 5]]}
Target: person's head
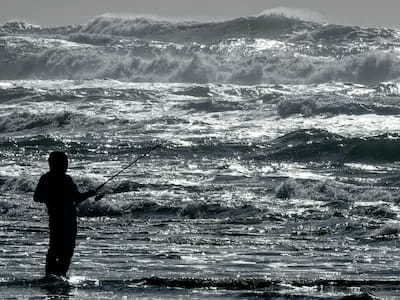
{"points": [[58, 162]]}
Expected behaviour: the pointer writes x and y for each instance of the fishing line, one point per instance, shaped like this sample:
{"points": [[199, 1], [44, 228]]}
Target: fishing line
{"points": [[126, 167]]}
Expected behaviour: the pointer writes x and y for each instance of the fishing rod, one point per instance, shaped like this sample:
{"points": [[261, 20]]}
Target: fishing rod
{"points": [[128, 166]]}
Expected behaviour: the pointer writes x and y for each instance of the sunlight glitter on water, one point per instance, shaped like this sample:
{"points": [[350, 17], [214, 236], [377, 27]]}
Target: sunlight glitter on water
{"points": [[239, 201]]}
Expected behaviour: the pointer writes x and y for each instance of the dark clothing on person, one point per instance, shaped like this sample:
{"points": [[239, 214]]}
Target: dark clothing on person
{"points": [[61, 196]]}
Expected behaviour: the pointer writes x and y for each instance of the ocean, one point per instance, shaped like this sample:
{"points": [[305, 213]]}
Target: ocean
{"points": [[277, 177]]}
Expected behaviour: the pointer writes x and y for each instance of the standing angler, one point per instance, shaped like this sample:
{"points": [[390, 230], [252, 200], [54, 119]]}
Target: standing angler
{"points": [[59, 192]]}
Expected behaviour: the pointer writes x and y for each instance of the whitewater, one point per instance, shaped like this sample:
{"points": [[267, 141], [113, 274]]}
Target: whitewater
{"points": [[278, 175]]}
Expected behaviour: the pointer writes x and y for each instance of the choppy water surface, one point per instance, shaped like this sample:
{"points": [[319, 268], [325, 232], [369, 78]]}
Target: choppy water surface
{"points": [[278, 172]]}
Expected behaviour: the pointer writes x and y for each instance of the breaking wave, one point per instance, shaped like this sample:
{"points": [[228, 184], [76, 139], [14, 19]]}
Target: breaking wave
{"points": [[342, 196], [195, 64], [17, 26], [123, 199], [270, 48], [149, 209]]}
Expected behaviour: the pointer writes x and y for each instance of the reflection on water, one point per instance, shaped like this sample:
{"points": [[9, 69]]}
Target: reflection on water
{"points": [[241, 200]]}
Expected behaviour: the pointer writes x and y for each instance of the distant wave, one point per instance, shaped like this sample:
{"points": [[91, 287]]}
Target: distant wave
{"points": [[260, 26], [250, 50], [17, 26], [296, 13], [197, 64], [24, 121], [339, 196], [323, 99], [321, 145], [314, 106], [34, 142], [42, 144], [300, 145], [34, 124], [279, 23]]}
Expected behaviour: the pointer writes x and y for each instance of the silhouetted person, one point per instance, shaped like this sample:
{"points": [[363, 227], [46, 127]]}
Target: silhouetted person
{"points": [[58, 191]]}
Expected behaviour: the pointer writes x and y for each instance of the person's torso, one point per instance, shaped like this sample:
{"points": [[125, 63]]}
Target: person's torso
{"points": [[61, 203]]}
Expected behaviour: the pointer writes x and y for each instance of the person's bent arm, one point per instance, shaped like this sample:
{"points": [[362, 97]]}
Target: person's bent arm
{"points": [[83, 196], [78, 196]]}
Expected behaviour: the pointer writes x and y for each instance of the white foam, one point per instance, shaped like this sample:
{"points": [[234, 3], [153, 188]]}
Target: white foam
{"points": [[296, 13]]}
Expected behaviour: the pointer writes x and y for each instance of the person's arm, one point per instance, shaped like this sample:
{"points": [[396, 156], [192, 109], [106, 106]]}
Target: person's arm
{"points": [[83, 196], [41, 193], [78, 196]]}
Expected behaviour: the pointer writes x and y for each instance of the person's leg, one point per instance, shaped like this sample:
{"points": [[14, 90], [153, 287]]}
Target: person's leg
{"points": [[54, 261], [51, 262], [64, 263], [53, 266], [67, 252]]}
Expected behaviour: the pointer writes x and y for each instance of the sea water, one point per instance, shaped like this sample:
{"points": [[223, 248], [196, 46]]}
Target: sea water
{"points": [[277, 175]]}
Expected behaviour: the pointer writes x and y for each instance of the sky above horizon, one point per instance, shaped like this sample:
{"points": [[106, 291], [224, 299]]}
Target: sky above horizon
{"points": [[61, 12]]}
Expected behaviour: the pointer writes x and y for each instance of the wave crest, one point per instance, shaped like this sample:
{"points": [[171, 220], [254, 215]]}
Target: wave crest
{"points": [[155, 29], [296, 13], [18, 27], [336, 106], [321, 145], [24, 121]]}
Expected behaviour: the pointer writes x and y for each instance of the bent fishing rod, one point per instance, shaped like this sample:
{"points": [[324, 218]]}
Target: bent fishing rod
{"points": [[128, 166]]}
